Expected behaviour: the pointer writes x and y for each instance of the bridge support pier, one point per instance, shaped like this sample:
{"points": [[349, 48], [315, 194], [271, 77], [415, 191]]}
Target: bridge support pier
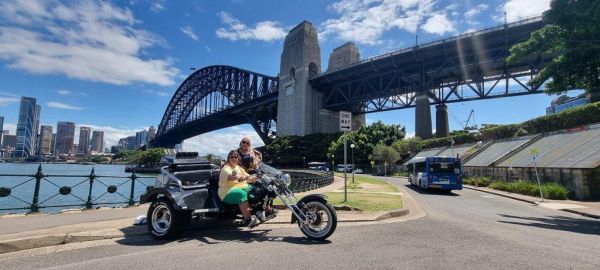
{"points": [[441, 120], [422, 116]]}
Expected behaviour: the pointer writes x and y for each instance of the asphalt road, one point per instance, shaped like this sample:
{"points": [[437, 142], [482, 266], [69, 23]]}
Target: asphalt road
{"points": [[464, 230]]}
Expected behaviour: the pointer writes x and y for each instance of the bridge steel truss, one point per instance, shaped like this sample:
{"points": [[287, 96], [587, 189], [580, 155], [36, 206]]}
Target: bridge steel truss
{"points": [[467, 67], [217, 97]]}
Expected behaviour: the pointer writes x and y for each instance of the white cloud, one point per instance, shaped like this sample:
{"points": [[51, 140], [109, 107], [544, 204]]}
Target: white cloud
{"points": [[438, 24], [207, 49], [158, 93], [188, 31], [475, 10], [87, 40], [365, 21], [63, 92], [157, 6], [222, 141], [518, 9], [236, 30], [111, 134], [8, 99], [64, 106], [12, 128]]}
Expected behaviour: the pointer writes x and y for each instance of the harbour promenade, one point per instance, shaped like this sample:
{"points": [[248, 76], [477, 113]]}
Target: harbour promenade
{"points": [[21, 232]]}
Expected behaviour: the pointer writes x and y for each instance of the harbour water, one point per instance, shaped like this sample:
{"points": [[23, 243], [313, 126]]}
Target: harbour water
{"points": [[51, 200]]}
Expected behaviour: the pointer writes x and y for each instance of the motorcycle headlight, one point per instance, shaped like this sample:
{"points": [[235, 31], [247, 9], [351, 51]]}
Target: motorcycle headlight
{"points": [[286, 179]]}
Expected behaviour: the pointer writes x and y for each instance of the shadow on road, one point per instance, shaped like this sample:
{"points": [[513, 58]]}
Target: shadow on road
{"points": [[584, 226], [213, 232], [431, 191]]}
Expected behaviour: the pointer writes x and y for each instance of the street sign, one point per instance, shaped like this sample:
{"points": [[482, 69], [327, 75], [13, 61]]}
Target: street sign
{"points": [[345, 121], [534, 152]]}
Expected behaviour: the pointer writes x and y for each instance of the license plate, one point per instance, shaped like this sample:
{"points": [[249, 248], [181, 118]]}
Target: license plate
{"points": [[435, 186]]}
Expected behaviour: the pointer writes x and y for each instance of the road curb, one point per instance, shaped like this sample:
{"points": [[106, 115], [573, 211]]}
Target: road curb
{"points": [[572, 211], [500, 194], [393, 214], [58, 239]]}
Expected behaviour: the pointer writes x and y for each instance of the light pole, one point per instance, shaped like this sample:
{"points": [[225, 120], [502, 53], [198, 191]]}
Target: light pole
{"points": [[303, 162], [353, 165], [332, 163]]}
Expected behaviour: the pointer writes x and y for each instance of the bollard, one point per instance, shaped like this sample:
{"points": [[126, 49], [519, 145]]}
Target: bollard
{"points": [[133, 177], [35, 208], [88, 203]]}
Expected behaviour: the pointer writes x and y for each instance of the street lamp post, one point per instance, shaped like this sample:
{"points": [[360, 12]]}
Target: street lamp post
{"points": [[353, 165], [332, 163], [303, 162]]}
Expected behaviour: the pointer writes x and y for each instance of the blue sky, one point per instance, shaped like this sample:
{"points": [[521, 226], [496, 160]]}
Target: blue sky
{"points": [[113, 65]]}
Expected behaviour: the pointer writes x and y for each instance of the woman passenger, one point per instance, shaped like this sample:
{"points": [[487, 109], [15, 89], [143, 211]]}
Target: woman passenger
{"points": [[234, 187]]}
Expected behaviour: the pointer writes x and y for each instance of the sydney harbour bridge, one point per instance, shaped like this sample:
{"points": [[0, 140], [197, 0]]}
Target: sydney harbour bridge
{"points": [[303, 100]]}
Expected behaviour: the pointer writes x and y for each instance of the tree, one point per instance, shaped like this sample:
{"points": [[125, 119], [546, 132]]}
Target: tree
{"points": [[385, 154], [408, 147], [365, 139], [572, 40]]}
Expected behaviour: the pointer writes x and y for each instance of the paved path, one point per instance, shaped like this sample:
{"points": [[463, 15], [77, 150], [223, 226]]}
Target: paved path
{"points": [[464, 230]]}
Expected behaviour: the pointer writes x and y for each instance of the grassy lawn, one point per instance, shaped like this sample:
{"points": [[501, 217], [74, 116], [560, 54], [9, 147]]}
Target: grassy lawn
{"points": [[366, 182], [365, 194], [366, 201]]}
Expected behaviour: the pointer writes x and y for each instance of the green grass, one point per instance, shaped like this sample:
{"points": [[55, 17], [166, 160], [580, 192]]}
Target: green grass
{"points": [[366, 201], [364, 182]]}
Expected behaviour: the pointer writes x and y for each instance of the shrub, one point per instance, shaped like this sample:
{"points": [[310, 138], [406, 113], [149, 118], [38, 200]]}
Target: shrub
{"points": [[550, 190], [554, 191]]}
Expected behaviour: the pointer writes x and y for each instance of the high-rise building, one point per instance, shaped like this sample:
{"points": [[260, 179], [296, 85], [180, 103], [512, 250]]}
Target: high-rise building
{"points": [[27, 127], [98, 141], [53, 144], [141, 138], [130, 143], [45, 142], [1, 128], [65, 134], [84, 140], [151, 133], [10, 141]]}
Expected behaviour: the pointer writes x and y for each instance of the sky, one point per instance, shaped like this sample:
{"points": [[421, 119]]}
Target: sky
{"points": [[114, 65]]}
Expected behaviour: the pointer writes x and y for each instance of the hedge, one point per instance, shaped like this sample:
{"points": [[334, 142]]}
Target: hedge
{"points": [[571, 118]]}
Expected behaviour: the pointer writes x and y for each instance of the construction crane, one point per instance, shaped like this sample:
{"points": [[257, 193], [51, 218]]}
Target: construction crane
{"points": [[466, 123]]}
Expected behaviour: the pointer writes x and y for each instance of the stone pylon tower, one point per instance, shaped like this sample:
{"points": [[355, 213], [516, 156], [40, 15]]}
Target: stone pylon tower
{"points": [[299, 109]]}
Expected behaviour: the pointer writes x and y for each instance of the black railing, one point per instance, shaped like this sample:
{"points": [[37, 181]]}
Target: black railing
{"points": [[99, 187], [304, 180], [110, 186]]}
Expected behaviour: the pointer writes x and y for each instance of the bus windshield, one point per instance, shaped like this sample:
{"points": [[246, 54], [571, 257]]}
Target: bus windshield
{"points": [[444, 167]]}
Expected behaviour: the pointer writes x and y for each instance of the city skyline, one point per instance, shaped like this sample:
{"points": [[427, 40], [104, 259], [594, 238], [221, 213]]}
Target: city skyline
{"points": [[152, 50]]}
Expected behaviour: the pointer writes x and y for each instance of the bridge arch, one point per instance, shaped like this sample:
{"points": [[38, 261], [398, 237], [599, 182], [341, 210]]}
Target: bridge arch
{"points": [[217, 97]]}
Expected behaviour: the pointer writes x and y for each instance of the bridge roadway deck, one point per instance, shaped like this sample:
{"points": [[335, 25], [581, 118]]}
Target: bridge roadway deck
{"points": [[469, 58]]}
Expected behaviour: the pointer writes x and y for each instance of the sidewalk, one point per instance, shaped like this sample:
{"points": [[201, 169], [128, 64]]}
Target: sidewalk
{"points": [[588, 209], [20, 232]]}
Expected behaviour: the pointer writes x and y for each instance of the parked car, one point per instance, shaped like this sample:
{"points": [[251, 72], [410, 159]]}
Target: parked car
{"points": [[359, 171]]}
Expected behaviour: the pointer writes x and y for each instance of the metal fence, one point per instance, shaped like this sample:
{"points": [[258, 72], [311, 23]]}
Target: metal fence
{"points": [[92, 190], [95, 189], [304, 180]]}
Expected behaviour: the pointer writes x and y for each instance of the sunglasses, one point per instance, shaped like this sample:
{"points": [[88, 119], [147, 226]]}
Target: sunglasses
{"points": [[248, 143], [233, 157]]}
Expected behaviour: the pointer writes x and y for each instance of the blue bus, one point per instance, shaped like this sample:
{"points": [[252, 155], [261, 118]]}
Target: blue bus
{"points": [[444, 173]]}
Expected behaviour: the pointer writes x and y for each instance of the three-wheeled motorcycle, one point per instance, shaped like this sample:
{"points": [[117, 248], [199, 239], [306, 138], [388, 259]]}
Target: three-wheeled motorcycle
{"points": [[188, 188]]}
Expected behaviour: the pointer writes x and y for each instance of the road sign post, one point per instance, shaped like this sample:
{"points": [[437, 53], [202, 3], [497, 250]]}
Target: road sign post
{"points": [[345, 126], [534, 153]]}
